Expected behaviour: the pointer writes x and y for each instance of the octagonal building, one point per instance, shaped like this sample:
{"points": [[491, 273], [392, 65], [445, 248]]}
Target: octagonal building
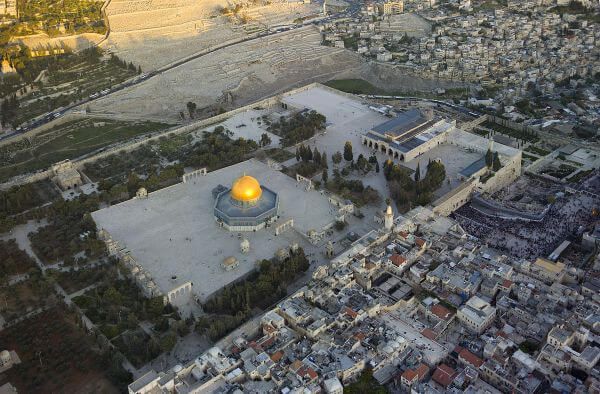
{"points": [[246, 206]]}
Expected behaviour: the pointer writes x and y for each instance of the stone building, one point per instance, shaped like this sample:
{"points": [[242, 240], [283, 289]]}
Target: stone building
{"points": [[408, 135], [66, 176]]}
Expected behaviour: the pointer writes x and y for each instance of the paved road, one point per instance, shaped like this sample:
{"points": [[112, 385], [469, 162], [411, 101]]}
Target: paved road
{"points": [[145, 76]]}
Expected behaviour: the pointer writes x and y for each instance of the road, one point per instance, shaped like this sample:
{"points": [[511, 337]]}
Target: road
{"points": [[145, 76]]}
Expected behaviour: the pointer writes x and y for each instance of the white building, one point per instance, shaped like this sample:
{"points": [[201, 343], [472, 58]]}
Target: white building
{"points": [[477, 315]]}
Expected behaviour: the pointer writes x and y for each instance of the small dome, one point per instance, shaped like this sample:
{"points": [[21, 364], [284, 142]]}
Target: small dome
{"points": [[5, 356], [246, 188], [229, 261]]}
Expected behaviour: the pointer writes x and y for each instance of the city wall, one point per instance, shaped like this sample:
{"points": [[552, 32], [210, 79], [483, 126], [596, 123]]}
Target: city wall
{"points": [[79, 163]]}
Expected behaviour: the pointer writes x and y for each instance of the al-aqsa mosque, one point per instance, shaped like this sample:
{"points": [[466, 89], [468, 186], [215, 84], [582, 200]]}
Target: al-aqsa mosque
{"points": [[246, 206]]}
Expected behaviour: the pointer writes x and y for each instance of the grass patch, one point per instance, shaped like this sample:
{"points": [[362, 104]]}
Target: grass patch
{"points": [[14, 260], [75, 280], [539, 151], [576, 178], [530, 157], [518, 134], [25, 297], [562, 171], [69, 141], [361, 86], [306, 169], [354, 86], [279, 155]]}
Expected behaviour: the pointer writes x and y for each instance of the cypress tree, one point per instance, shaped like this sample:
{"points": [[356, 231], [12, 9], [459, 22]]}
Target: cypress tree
{"points": [[496, 165], [348, 155], [418, 173]]}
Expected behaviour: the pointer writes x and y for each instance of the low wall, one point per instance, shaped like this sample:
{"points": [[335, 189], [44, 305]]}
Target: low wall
{"points": [[510, 124], [122, 148], [507, 213]]}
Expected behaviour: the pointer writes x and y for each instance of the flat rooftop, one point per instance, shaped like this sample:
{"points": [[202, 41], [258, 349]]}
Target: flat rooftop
{"points": [[403, 123], [173, 232]]}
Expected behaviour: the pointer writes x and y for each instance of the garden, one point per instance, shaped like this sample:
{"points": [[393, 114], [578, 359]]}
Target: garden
{"points": [[56, 356], [232, 305], [117, 307]]}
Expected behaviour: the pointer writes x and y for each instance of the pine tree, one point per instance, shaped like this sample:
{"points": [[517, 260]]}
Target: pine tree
{"points": [[325, 175], [316, 156], [297, 154], [324, 160], [377, 167]]}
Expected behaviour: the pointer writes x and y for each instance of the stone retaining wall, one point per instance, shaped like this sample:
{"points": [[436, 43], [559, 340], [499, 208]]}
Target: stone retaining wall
{"points": [[79, 163]]}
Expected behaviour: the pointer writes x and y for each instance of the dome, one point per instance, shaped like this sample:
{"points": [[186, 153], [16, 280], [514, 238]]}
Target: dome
{"points": [[246, 188], [5, 356]]}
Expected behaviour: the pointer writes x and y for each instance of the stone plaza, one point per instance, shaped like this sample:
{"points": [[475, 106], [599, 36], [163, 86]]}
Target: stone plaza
{"points": [[172, 236]]}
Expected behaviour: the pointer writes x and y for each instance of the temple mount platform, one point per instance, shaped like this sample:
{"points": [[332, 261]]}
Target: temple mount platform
{"points": [[175, 242]]}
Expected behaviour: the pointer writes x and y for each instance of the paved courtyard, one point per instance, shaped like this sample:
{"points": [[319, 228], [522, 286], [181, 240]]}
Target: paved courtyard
{"points": [[250, 126], [173, 235], [347, 120], [454, 158]]}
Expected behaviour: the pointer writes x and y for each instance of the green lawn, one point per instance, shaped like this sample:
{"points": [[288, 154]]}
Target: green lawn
{"points": [[354, 86], [72, 140], [361, 86], [279, 155]]}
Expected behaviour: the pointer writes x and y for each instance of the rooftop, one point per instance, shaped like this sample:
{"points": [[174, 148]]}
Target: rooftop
{"points": [[403, 123]]}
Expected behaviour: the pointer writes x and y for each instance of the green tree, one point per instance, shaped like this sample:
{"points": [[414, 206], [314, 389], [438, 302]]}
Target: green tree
{"points": [[325, 175], [418, 173], [191, 106], [324, 160], [336, 158], [489, 158], [264, 140], [316, 156], [348, 155], [496, 165], [168, 342]]}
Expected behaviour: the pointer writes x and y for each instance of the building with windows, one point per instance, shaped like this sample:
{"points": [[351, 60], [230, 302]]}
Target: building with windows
{"points": [[393, 7], [408, 135], [477, 315]]}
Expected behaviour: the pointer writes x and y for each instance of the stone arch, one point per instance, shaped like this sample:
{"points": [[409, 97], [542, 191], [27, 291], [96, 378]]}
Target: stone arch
{"points": [[401, 157], [396, 155], [390, 152], [383, 148], [376, 146]]}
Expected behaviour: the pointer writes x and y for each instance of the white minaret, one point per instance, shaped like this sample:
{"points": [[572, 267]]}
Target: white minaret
{"points": [[491, 143], [388, 220]]}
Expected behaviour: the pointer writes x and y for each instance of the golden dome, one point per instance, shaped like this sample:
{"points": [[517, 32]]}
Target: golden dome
{"points": [[246, 188]]}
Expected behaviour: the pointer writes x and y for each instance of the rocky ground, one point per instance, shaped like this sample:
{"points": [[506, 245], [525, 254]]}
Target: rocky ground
{"points": [[155, 33]]}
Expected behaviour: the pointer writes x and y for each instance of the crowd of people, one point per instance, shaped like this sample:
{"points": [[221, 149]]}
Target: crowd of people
{"points": [[567, 218]]}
